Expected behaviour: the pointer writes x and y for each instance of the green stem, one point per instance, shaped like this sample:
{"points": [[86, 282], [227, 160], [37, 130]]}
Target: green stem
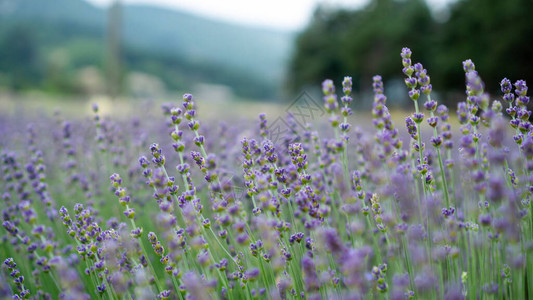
{"points": [[420, 151], [145, 253]]}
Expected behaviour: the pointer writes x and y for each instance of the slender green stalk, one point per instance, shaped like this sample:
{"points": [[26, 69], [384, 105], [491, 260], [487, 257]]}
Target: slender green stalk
{"points": [[145, 253]]}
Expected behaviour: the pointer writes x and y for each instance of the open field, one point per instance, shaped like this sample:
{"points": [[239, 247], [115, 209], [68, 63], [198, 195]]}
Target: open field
{"points": [[201, 199]]}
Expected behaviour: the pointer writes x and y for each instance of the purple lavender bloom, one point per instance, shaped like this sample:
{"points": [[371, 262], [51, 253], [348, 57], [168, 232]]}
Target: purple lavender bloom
{"points": [[411, 128], [468, 66], [418, 117], [436, 141], [485, 219], [431, 105], [328, 87], [252, 274], [506, 86], [330, 98], [462, 112], [10, 227], [101, 288], [522, 101], [432, 121], [406, 62], [406, 53], [347, 86], [309, 274], [520, 88], [332, 241], [447, 212], [144, 162], [411, 82], [377, 84], [527, 147]]}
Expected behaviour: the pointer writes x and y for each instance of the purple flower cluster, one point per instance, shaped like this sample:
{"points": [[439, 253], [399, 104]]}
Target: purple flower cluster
{"points": [[218, 210]]}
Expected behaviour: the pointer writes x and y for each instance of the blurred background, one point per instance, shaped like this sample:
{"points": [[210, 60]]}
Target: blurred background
{"points": [[59, 51]]}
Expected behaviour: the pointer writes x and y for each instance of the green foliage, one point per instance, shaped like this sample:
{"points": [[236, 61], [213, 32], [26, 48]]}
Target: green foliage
{"points": [[494, 34], [19, 59], [361, 43], [178, 48]]}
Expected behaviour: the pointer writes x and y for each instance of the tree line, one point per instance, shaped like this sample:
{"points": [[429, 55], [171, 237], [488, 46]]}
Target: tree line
{"points": [[496, 35]]}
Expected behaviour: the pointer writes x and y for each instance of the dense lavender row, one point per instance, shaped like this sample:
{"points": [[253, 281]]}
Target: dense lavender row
{"points": [[340, 214]]}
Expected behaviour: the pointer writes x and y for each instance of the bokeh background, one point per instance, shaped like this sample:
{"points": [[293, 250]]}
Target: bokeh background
{"points": [[63, 53]]}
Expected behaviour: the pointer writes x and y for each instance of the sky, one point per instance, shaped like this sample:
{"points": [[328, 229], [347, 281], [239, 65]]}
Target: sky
{"points": [[278, 14]]}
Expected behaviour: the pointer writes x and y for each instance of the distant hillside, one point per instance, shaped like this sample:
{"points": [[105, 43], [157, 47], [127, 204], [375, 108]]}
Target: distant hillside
{"points": [[258, 50], [174, 46]]}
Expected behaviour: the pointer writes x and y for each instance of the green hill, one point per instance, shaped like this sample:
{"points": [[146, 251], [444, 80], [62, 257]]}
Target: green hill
{"points": [[179, 48]]}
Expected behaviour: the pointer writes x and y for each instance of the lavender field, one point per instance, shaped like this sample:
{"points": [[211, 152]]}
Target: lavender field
{"points": [[176, 202]]}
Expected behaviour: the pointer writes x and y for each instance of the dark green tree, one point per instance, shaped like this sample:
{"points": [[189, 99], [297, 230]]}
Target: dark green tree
{"points": [[361, 43], [496, 35], [19, 57]]}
